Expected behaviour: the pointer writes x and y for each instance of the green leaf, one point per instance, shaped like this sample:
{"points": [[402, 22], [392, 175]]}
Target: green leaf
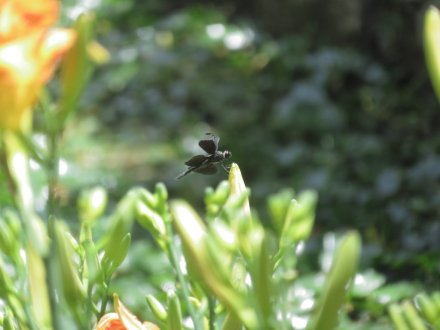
{"points": [[432, 46], [76, 65], [232, 322], [122, 220], [261, 272], [38, 288], [94, 271], [124, 245], [9, 322], [336, 284]]}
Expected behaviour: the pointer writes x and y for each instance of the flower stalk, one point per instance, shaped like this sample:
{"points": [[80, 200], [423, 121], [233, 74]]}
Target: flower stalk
{"points": [[172, 251]]}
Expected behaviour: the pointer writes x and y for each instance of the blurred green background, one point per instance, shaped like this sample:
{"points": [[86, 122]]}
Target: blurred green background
{"points": [[332, 96]]}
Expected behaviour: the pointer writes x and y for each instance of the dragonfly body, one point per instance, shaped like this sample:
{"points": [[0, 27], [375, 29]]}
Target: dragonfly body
{"points": [[206, 164], [219, 156]]}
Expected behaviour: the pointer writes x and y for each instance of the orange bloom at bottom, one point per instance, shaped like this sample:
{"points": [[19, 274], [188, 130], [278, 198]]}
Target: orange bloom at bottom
{"points": [[123, 320], [110, 321]]}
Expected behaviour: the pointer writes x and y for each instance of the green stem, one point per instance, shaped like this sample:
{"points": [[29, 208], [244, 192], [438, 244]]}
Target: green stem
{"points": [[105, 298], [172, 249], [282, 294], [17, 169], [283, 306], [50, 260], [211, 306], [33, 149], [49, 263], [52, 173]]}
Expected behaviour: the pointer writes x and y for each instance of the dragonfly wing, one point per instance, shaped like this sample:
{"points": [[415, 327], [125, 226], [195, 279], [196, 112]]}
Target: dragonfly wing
{"points": [[206, 169], [196, 161], [210, 144]]}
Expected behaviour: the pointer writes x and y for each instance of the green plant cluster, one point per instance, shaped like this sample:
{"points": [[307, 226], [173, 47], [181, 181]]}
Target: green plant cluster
{"points": [[229, 270], [236, 272]]}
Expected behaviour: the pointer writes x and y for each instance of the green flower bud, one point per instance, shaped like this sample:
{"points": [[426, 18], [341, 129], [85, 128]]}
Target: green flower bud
{"points": [[237, 186], [299, 219], [427, 306], [148, 198], [157, 308], [278, 205], [396, 315], [215, 200], [9, 237], [413, 318], [174, 312], [114, 257], [151, 220], [206, 258], [224, 236], [218, 196], [92, 204], [161, 192], [436, 300], [72, 287]]}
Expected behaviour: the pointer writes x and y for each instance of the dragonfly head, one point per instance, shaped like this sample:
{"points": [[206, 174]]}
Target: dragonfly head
{"points": [[227, 154]]}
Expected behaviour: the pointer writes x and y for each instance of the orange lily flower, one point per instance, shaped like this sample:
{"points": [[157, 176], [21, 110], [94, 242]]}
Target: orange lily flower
{"points": [[29, 51], [123, 319]]}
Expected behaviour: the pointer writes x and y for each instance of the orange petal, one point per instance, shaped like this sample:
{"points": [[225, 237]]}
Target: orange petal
{"points": [[19, 17], [18, 83], [130, 320], [55, 44], [26, 64]]}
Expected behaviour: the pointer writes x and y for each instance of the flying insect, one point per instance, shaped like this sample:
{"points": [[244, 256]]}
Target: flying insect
{"points": [[206, 164]]}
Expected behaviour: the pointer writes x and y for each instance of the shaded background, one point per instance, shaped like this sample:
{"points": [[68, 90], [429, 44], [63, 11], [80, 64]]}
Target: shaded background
{"points": [[332, 96]]}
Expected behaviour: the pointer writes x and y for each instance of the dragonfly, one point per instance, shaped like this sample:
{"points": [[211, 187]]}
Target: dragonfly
{"points": [[206, 164]]}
